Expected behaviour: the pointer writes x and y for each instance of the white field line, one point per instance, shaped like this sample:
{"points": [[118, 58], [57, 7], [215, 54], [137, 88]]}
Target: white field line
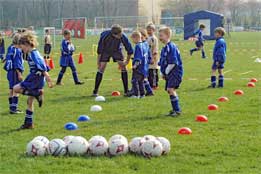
{"points": [[246, 72], [227, 71]]}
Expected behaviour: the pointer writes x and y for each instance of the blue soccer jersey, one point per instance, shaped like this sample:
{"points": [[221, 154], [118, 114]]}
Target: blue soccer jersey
{"points": [[14, 59], [67, 50], [170, 55], [36, 62], [199, 32], [219, 52], [141, 58]]}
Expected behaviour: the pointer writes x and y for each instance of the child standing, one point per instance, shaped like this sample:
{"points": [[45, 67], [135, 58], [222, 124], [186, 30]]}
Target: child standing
{"points": [[66, 60], [47, 44], [171, 69], [139, 65], [219, 58], [34, 82], [200, 41], [2, 47], [153, 67], [14, 67]]}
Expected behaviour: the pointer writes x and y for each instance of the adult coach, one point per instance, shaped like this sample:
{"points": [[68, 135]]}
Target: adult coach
{"points": [[110, 45]]}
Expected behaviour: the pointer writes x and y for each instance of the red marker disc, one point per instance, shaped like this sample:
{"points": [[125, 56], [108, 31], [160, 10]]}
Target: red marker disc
{"points": [[212, 107], [201, 118], [254, 80], [251, 84], [184, 131], [223, 99], [115, 93], [238, 92]]}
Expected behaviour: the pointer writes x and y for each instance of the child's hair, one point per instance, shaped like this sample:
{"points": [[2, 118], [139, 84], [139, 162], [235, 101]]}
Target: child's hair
{"points": [[16, 39], [151, 26], [47, 30], [136, 34], [220, 30], [166, 30], [66, 32], [143, 32], [202, 26], [28, 38], [116, 29]]}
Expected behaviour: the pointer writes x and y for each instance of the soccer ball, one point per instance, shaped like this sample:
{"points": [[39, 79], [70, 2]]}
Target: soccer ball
{"points": [[57, 147], [149, 137], [36, 148], [43, 139], [118, 136], [98, 145], [67, 139], [135, 145], [118, 147], [165, 145], [151, 148], [78, 146]]}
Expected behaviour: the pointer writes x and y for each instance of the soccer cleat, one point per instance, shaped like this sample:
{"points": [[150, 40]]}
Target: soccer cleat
{"points": [[26, 126], [59, 83], [174, 114], [220, 86], [142, 96], [134, 96], [79, 83], [211, 86], [191, 52], [149, 94], [40, 99], [16, 112], [94, 94], [204, 57]]}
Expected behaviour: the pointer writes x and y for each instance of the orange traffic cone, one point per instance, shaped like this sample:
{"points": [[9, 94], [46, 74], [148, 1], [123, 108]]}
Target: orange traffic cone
{"points": [[80, 61], [51, 64]]}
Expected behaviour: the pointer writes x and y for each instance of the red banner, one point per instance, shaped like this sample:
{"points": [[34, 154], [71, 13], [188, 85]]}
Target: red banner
{"points": [[76, 26]]}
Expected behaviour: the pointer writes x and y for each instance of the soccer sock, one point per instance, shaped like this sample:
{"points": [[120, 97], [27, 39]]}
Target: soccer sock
{"points": [[203, 53], [98, 80], [135, 87], [75, 77], [28, 117], [10, 99], [147, 87], [60, 76], [213, 81], [14, 103], [156, 77], [221, 81], [194, 49], [124, 77], [33, 93], [141, 88], [175, 103]]}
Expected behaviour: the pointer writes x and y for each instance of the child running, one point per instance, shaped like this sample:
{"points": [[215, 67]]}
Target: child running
{"points": [[200, 41]]}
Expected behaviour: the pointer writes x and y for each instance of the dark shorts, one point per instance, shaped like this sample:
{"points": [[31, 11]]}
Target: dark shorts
{"points": [[33, 82], [116, 56], [218, 66], [199, 43], [137, 76], [173, 80], [12, 77], [47, 48]]}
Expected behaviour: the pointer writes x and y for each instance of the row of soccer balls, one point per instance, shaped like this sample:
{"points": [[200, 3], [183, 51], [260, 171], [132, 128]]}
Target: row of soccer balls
{"points": [[148, 146]]}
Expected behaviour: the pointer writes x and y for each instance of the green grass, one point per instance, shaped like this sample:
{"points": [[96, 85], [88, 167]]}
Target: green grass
{"points": [[229, 143]]}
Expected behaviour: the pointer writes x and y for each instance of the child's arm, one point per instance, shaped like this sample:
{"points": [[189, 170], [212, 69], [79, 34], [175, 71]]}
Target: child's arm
{"points": [[19, 74], [137, 57], [48, 79], [128, 47]]}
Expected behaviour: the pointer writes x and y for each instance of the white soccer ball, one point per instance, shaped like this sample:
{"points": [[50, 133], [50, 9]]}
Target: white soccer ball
{"points": [[36, 148], [118, 147], [96, 108], [118, 136], [151, 148], [100, 99], [165, 145], [135, 145], [57, 147], [43, 139], [149, 137], [78, 146], [98, 145], [67, 139]]}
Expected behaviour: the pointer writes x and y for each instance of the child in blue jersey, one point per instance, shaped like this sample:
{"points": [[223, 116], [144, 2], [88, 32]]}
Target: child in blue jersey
{"points": [[2, 47], [66, 60], [171, 68], [14, 68], [139, 65], [200, 42], [144, 37], [219, 58], [34, 82]]}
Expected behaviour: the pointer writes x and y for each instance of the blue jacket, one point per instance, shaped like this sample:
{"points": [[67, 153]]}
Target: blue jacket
{"points": [[141, 56], [219, 52], [109, 44], [66, 48], [14, 59]]}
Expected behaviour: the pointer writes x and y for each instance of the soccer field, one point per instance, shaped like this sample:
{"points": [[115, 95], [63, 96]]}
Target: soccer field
{"points": [[229, 143]]}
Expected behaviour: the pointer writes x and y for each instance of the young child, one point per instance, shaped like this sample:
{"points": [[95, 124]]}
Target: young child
{"points": [[2, 47], [171, 68], [153, 68], [144, 37], [200, 41], [139, 65], [34, 82], [219, 58], [47, 44], [66, 60], [14, 67]]}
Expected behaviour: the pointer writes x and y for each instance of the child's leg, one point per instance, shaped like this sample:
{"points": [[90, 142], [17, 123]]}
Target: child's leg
{"points": [[150, 78], [174, 99], [10, 99], [135, 86], [156, 78], [28, 120], [74, 74], [141, 87], [220, 78], [148, 87], [60, 76], [213, 78], [203, 52]]}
